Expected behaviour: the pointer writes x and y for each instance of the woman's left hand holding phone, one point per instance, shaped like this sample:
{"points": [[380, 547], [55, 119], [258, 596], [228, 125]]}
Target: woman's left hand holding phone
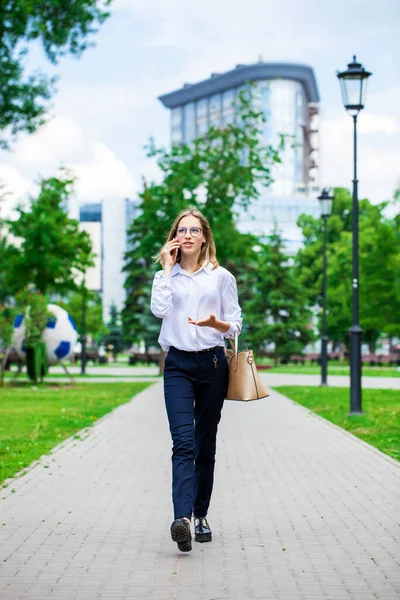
{"points": [[169, 254]]}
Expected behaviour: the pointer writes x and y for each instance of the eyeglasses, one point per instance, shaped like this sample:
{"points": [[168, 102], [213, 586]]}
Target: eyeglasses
{"points": [[182, 231]]}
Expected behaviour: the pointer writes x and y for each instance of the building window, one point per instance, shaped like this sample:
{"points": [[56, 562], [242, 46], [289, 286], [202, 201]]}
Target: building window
{"points": [[189, 122], [90, 213], [202, 116], [176, 126], [228, 106], [176, 117], [299, 136], [215, 111], [265, 107], [176, 137]]}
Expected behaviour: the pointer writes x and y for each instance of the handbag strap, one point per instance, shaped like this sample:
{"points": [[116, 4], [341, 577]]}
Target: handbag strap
{"points": [[235, 348]]}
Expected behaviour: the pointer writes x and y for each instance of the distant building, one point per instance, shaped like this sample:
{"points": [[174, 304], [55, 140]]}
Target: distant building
{"points": [[288, 95], [90, 218], [107, 222]]}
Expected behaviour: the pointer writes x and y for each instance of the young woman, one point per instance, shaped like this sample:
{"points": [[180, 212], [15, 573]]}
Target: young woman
{"points": [[197, 301]]}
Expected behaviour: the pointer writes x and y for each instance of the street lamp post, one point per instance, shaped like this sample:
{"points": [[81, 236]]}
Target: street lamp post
{"points": [[326, 201], [353, 83], [83, 331]]}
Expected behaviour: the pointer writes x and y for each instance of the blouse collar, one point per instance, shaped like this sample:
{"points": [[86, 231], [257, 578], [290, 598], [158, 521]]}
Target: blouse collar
{"points": [[178, 269]]}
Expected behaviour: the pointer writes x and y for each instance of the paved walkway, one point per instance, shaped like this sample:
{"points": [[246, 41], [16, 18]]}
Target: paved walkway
{"points": [[271, 379], [126, 374], [276, 379], [124, 371], [301, 510]]}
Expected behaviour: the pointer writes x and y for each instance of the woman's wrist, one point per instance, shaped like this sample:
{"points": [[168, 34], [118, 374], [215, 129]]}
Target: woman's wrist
{"points": [[222, 326], [167, 271]]}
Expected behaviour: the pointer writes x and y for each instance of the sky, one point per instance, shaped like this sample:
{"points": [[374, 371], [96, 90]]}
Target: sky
{"points": [[106, 107]]}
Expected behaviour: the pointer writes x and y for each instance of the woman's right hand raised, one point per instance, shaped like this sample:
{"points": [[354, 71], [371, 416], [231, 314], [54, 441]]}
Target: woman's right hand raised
{"points": [[169, 253]]}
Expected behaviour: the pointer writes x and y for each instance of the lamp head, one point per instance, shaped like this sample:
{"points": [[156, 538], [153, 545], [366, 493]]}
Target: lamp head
{"points": [[326, 202], [353, 84]]}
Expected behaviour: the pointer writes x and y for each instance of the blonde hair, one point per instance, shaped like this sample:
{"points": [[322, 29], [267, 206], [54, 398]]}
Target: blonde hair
{"points": [[207, 252]]}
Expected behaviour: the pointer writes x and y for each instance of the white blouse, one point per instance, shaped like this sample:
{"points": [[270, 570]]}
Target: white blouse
{"points": [[207, 291]]}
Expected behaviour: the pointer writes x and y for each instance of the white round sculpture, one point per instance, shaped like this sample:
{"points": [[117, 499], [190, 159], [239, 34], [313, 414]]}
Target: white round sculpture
{"points": [[60, 335]]}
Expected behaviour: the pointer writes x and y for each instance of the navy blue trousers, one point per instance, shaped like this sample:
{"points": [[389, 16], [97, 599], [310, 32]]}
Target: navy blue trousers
{"points": [[194, 388]]}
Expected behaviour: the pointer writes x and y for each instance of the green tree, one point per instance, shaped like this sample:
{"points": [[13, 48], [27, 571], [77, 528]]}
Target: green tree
{"points": [[5, 252], [278, 312], [309, 265], [52, 250], [8, 285], [220, 171], [379, 275], [7, 315], [33, 305], [379, 255], [309, 257], [114, 336], [392, 328], [62, 28], [95, 326]]}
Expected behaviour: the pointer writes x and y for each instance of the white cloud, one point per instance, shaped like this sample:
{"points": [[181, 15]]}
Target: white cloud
{"points": [[367, 123], [61, 142], [373, 123], [104, 176], [378, 161], [16, 188], [239, 28], [153, 9], [106, 106], [203, 27], [98, 104], [387, 99], [378, 146]]}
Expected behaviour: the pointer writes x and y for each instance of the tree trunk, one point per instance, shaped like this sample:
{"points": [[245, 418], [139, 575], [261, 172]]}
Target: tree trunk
{"points": [[3, 365], [342, 350]]}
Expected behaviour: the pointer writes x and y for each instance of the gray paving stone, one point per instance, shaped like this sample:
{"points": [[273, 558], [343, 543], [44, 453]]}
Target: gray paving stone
{"points": [[300, 510]]}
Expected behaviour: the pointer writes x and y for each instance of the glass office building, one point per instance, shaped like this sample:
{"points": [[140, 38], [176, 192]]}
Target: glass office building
{"points": [[106, 222], [288, 96], [90, 220]]}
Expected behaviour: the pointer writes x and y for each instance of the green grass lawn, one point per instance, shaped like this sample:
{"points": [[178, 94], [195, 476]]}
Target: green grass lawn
{"points": [[24, 378], [306, 369], [380, 424], [114, 363], [333, 369], [35, 419]]}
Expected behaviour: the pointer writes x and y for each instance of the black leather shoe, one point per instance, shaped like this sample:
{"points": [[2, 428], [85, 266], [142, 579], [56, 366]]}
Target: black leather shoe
{"points": [[202, 530], [180, 533]]}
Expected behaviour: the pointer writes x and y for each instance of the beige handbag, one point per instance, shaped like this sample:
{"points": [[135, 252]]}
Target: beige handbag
{"points": [[244, 380]]}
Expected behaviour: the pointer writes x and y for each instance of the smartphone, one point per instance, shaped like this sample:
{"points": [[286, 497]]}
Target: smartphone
{"points": [[176, 253]]}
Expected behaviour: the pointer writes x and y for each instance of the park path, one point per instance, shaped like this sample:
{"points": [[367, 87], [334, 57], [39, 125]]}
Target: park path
{"points": [[271, 379], [277, 379], [301, 510], [111, 374]]}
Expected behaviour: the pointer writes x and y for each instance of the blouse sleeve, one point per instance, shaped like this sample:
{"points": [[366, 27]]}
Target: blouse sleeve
{"points": [[231, 310], [161, 295]]}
